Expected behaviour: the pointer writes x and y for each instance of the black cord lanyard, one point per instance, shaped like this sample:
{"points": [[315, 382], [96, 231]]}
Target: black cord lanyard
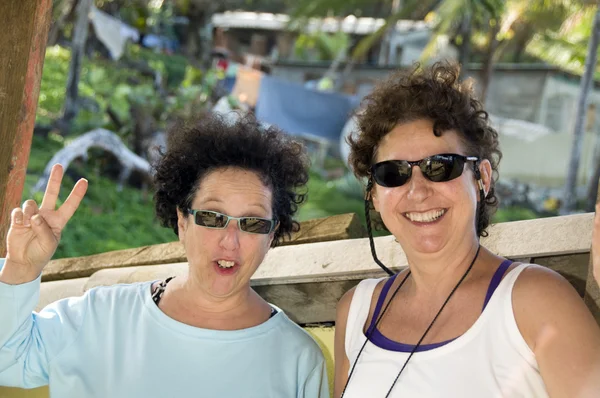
{"points": [[370, 332]]}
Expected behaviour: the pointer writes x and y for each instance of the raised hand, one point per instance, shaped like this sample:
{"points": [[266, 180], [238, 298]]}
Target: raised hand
{"points": [[35, 232], [596, 244]]}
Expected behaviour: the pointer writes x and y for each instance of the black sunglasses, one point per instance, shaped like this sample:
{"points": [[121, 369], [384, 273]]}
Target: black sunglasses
{"points": [[216, 220], [436, 168]]}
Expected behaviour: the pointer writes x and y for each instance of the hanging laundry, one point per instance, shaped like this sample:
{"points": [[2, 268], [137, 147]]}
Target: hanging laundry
{"points": [[112, 32]]}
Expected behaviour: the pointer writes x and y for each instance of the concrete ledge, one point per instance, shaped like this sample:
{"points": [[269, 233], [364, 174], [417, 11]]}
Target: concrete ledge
{"points": [[542, 237]]}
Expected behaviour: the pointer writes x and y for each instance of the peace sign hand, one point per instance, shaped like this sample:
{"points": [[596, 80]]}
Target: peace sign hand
{"points": [[35, 232]]}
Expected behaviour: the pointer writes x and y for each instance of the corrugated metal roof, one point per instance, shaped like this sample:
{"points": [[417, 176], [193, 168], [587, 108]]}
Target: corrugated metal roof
{"points": [[350, 24]]}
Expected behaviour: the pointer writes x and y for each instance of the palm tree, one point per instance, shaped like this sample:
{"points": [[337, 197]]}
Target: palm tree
{"points": [[502, 23]]}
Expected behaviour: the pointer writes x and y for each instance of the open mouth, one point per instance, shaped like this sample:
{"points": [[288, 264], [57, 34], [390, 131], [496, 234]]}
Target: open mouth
{"points": [[425, 217], [224, 264], [226, 267]]}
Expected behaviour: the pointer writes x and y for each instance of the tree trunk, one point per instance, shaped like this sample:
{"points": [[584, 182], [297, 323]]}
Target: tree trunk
{"points": [[56, 27], [570, 195], [465, 45], [384, 52], [488, 66], [520, 46], [78, 40], [594, 180]]}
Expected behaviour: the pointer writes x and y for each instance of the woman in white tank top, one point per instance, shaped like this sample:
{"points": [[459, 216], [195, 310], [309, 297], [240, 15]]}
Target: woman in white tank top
{"points": [[461, 321]]}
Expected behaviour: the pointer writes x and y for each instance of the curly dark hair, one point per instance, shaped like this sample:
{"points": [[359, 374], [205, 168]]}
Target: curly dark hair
{"points": [[433, 93], [211, 143]]}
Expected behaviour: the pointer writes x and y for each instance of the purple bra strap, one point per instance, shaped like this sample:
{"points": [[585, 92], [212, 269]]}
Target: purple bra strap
{"points": [[380, 300], [496, 279]]}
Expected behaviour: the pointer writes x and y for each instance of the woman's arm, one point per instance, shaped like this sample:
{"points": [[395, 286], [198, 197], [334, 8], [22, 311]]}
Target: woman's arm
{"points": [[342, 364], [561, 332], [28, 340]]}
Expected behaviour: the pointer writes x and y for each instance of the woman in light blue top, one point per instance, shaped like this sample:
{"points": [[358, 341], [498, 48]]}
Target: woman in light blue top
{"points": [[229, 192]]}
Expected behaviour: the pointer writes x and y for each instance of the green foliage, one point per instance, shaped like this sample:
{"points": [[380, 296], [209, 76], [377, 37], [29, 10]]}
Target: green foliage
{"points": [[174, 66], [514, 214], [321, 45], [567, 46], [325, 199], [53, 85]]}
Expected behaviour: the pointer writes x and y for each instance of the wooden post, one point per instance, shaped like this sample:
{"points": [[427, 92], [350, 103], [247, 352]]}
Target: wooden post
{"points": [[22, 45], [592, 291]]}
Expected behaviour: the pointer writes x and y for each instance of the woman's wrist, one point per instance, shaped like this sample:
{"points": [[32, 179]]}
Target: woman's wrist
{"points": [[17, 274]]}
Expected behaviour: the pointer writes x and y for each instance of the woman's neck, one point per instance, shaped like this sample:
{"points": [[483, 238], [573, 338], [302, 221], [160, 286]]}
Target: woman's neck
{"points": [[186, 302], [437, 273]]}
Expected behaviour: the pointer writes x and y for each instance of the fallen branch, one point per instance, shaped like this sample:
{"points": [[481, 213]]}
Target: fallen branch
{"points": [[97, 138]]}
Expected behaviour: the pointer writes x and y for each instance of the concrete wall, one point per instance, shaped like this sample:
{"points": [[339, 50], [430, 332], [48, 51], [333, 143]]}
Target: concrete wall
{"points": [[544, 160]]}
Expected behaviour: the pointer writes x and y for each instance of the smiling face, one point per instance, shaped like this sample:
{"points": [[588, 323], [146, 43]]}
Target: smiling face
{"points": [[211, 252], [426, 216]]}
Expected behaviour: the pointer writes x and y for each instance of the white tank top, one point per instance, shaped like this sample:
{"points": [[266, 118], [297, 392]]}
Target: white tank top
{"points": [[490, 360]]}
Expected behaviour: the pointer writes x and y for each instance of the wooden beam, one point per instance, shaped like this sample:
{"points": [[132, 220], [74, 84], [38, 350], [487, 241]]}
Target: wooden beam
{"points": [[22, 45], [344, 226]]}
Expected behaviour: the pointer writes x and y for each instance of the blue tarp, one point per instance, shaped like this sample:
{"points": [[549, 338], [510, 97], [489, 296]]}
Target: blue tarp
{"points": [[299, 110], [227, 83]]}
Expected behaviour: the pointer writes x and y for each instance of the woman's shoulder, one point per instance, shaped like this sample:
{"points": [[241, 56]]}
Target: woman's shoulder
{"points": [[302, 339], [535, 283], [122, 292], [541, 297]]}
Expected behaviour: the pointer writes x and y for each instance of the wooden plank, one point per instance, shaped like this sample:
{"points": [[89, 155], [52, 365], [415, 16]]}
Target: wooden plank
{"points": [[344, 226], [25, 26], [80, 267]]}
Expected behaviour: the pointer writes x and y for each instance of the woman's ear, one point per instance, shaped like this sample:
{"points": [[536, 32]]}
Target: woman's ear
{"points": [[485, 170], [372, 194], [272, 234], [182, 221]]}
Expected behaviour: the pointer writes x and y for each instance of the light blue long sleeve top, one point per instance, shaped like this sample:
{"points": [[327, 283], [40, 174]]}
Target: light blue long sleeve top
{"points": [[115, 342]]}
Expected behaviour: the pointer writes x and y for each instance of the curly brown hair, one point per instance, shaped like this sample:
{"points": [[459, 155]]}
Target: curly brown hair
{"points": [[433, 93], [211, 143]]}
